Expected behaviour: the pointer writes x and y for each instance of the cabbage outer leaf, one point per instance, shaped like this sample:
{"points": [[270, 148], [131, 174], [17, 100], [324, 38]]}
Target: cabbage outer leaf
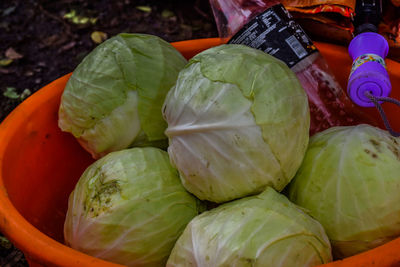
{"points": [[129, 207], [114, 97], [350, 181], [238, 121], [264, 230]]}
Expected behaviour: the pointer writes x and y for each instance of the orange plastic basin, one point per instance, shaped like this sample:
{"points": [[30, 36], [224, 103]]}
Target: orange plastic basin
{"points": [[39, 166]]}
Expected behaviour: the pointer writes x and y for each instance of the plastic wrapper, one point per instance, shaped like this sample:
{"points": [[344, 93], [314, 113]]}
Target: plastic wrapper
{"points": [[331, 21]]}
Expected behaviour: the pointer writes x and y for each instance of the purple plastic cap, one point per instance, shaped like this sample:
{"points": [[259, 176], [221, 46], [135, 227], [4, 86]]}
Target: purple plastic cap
{"points": [[371, 76]]}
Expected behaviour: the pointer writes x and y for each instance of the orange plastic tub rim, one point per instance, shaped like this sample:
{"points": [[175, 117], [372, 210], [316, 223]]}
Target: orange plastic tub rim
{"points": [[39, 166]]}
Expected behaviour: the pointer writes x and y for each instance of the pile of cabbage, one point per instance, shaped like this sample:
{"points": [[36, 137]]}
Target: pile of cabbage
{"points": [[208, 162]]}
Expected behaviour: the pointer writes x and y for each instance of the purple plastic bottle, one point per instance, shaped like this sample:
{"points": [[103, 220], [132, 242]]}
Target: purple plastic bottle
{"points": [[368, 74]]}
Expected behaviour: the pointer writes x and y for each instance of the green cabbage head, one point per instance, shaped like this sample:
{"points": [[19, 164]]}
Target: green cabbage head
{"points": [[114, 97], [350, 182], [258, 231], [238, 121], [129, 207]]}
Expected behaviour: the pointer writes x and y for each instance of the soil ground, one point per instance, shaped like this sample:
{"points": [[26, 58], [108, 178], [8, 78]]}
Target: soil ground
{"points": [[39, 44]]}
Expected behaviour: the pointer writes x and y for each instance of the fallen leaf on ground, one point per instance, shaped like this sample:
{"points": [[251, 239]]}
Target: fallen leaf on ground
{"points": [[8, 10], [77, 19], [12, 54], [70, 14], [54, 40], [5, 243], [29, 73], [11, 92], [167, 13], [25, 94], [98, 37], [67, 46], [5, 62], [144, 8]]}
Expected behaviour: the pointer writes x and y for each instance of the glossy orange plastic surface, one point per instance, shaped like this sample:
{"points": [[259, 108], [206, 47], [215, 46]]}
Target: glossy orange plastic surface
{"points": [[39, 166]]}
